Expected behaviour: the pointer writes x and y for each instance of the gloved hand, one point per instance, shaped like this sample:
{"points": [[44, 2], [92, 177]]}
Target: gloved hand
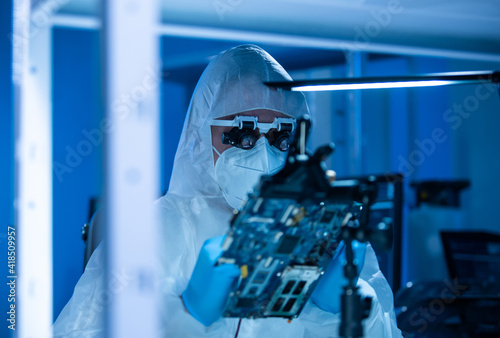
{"points": [[327, 293], [208, 289]]}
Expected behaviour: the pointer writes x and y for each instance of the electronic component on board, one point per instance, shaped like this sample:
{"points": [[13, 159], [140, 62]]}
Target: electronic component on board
{"points": [[288, 231]]}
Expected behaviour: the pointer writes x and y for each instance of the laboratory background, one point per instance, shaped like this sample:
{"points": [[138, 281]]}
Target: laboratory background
{"points": [[65, 63]]}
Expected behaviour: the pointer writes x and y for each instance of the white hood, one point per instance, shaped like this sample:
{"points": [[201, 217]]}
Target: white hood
{"points": [[232, 83]]}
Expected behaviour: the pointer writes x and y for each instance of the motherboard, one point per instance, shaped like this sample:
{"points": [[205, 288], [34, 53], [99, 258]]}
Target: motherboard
{"points": [[282, 248], [288, 231]]}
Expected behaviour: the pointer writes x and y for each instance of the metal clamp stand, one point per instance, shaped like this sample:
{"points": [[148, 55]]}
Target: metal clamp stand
{"points": [[353, 308]]}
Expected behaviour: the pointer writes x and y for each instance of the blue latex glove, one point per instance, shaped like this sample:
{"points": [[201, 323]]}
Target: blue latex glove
{"points": [[208, 289], [327, 293]]}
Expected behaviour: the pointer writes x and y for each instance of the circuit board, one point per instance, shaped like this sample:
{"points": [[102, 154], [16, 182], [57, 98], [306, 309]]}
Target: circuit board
{"points": [[288, 231], [282, 248]]}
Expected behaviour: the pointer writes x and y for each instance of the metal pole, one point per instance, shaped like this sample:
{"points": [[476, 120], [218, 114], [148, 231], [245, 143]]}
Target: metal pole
{"points": [[33, 191], [354, 69], [132, 180]]}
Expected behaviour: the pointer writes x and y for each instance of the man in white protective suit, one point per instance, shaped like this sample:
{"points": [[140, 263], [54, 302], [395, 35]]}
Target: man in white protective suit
{"points": [[210, 178]]}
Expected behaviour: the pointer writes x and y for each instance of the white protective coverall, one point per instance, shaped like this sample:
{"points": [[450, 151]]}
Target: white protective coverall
{"points": [[195, 210]]}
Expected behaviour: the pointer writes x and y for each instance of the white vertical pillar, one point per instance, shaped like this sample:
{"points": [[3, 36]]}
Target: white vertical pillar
{"points": [[33, 154], [354, 69], [131, 55]]}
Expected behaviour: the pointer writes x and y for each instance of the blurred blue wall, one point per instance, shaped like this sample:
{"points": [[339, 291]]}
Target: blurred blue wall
{"points": [[77, 150], [6, 155]]}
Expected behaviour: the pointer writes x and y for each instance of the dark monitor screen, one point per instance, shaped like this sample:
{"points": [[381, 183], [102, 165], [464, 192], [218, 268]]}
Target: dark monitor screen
{"points": [[472, 255]]}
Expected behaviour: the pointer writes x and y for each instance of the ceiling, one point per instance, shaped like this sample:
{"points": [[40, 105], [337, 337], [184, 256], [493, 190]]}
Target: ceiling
{"points": [[318, 30], [462, 27]]}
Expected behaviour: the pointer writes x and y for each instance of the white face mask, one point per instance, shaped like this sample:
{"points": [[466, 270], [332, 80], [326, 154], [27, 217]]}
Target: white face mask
{"points": [[237, 170]]}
